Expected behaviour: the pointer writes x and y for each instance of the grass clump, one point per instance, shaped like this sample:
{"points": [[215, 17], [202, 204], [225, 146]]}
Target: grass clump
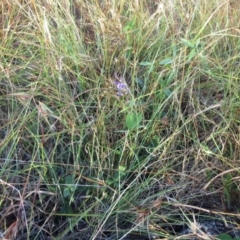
{"points": [[83, 159]]}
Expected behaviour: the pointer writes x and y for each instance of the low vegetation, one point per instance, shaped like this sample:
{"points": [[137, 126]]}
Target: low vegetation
{"points": [[118, 119]]}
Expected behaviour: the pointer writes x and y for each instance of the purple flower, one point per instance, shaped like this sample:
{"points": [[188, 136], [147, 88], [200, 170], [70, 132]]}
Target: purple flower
{"points": [[121, 86]]}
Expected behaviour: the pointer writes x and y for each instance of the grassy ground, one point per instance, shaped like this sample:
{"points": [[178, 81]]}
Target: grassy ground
{"points": [[82, 159]]}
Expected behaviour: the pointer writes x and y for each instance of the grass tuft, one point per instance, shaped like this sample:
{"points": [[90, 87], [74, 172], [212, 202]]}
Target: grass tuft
{"points": [[118, 119]]}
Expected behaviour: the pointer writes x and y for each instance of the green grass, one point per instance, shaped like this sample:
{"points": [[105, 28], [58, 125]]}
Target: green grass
{"points": [[80, 162]]}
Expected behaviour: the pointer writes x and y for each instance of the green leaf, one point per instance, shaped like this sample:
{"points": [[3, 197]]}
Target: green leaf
{"points": [[121, 168], [145, 63], [121, 171], [224, 236], [167, 92], [166, 61], [66, 209], [140, 82], [170, 77], [66, 192], [133, 120], [130, 26], [192, 54], [69, 179], [187, 43]]}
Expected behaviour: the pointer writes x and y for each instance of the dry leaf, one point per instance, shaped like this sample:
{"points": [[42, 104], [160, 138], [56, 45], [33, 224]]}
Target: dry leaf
{"points": [[165, 121], [11, 232], [156, 204], [237, 30], [168, 179], [43, 110], [22, 97], [141, 215]]}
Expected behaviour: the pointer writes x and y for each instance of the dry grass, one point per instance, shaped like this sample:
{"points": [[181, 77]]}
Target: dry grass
{"points": [[70, 168]]}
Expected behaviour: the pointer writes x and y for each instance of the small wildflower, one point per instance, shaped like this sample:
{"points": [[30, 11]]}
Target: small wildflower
{"points": [[121, 86]]}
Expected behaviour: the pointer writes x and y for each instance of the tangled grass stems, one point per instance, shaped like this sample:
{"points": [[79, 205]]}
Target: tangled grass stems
{"points": [[118, 119]]}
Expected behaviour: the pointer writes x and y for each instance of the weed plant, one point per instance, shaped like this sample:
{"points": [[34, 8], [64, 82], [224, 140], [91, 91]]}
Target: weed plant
{"points": [[82, 160]]}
